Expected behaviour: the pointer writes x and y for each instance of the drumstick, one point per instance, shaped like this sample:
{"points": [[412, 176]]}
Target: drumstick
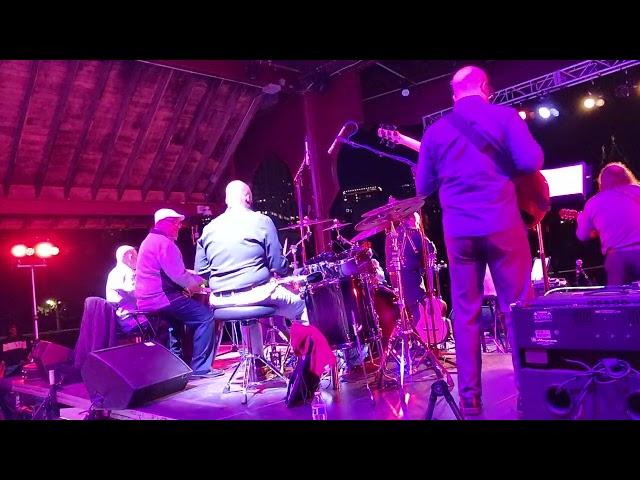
{"points": [[284, 249]]}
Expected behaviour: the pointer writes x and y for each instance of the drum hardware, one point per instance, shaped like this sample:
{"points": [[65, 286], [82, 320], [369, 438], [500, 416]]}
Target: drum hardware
{"points": [[404, 333]]}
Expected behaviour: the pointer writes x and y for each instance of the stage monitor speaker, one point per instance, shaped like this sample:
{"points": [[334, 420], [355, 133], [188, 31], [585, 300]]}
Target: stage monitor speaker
{"points": [[130, 375], [48, 355], [579, 354]]}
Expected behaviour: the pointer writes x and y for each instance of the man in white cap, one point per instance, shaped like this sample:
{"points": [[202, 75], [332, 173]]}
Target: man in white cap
{"points": [[163, 285], [120, 282], [240, 251]]}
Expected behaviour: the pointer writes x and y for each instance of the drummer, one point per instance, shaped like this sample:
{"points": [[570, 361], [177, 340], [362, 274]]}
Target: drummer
{"points": [[411, 263], [240, 252]]}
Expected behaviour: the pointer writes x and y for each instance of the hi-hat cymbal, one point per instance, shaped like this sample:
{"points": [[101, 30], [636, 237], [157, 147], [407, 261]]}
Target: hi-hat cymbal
{"points": [[368, 233], [305, 223], [406, 206], [336, 225]]}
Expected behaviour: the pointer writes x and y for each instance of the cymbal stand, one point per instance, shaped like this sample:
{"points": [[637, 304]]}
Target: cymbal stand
{"points": [[403, 332]]}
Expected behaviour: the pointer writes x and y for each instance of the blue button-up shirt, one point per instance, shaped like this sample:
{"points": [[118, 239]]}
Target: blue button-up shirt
{"points": [[239, 249], [477, 197]]}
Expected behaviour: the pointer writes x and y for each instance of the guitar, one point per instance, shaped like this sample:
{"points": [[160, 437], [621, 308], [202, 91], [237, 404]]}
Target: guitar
{"points": [[532, 190]]}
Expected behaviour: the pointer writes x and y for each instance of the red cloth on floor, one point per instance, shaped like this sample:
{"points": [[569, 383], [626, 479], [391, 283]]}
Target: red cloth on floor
{"points": [[321, 353]]}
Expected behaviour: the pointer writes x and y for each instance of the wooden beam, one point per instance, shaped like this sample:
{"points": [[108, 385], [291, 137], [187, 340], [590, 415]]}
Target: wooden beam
{"points": [[88, 121], [242, 128], [214, 137], [67, 83], [187, 148], [81, 208], [161, 87], [22, 118], [125, 101], [168, 133]]}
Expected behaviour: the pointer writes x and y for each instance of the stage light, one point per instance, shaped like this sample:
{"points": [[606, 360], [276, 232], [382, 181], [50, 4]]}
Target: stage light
{"points": [[589, 103], [19, 251], [405, 92], [544, 112], [51, 302], [46, 250], [600, 102], [523, 114], [554, 112]]}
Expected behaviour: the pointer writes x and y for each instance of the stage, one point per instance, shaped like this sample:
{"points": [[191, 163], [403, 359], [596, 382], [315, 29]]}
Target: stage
{"points": [[203, 399]]}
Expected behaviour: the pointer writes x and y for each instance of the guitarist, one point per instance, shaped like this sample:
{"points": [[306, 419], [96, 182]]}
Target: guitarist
{"points": [[613, 215], [482, 224]]}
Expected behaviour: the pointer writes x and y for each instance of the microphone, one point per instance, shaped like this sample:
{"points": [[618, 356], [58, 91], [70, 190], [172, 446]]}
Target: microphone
{"points": [[341, 134]]}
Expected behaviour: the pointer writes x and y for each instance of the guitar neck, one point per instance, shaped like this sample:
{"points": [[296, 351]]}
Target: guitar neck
{"points": [[409, 142]]}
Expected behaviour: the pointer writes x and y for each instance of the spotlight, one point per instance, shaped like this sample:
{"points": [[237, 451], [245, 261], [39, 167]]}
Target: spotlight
{"points": [[600, 102], [46, 250], [544, 112], [589, 103], [523, 114], [19, 251], [405, 92], [554, 112]]}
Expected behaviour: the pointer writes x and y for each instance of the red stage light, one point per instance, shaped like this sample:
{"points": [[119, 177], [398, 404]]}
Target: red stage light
{"points": [[46, 250], [19, 251]]}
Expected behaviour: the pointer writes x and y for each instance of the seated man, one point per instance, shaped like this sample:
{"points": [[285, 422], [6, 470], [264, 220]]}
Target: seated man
{"points": [[240, 251], [14, 352], [121, 286], [163, 285]]}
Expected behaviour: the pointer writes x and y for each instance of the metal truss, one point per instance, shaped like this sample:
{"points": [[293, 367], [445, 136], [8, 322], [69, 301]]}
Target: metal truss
{"points": [[566, 77]]}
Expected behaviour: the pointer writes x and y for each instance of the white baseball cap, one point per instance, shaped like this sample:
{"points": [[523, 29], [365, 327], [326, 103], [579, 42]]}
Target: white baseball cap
{"points": [[166, 213]]}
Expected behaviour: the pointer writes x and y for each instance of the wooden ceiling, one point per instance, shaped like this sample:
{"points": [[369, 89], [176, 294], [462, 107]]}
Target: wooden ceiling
{"points": [[93, 132]]}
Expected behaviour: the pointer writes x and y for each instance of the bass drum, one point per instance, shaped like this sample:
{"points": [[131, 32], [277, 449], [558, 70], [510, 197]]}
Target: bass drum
{"points": [[384, 299], [341, 310]]}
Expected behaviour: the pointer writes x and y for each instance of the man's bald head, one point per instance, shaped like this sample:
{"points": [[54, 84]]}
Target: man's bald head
{"points": [[238, 194], [470, 81]]}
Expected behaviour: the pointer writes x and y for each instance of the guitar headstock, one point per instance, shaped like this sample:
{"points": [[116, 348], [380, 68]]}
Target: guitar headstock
{"points": [[568, 214], [389, 135]]}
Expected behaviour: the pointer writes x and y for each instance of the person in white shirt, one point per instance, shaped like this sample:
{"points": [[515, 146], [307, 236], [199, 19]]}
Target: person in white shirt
{"points": [[121, 281]]}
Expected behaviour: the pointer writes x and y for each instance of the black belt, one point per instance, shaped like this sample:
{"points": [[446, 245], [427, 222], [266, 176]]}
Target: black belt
{"points": [[228, 293]]}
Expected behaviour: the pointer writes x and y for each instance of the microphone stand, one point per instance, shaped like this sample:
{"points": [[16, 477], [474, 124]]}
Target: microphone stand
{"points": [[377, 152], [297, 180], [581, 273]]}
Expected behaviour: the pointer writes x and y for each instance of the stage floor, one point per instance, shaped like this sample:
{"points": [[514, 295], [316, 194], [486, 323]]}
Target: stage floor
{"points": [[203, 399]]}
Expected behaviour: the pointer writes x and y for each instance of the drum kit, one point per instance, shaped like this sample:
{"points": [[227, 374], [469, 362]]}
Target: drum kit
{"points": [[348, 302]]}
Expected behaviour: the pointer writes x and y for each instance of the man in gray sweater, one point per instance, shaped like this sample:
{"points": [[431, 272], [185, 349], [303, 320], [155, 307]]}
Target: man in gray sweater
{"points": [[163, 285]]}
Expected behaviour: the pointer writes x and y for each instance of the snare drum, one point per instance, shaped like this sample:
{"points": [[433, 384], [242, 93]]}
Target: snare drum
{"points": [[341, 310], [357, 261]]}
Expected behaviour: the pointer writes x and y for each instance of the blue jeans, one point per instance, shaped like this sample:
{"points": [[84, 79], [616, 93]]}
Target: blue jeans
{"points": [[185, 311]]}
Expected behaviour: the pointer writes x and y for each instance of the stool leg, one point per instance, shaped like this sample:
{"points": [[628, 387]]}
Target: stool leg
{"points": [[227, 388]]}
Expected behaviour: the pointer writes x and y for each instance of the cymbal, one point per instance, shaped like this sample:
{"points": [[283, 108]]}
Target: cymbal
{"points": [[305, 223], [336, 225], [394, 212], [408, 205], [368, 233]]}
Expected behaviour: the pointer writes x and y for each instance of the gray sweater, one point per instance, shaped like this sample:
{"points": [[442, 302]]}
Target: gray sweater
{"points": [[161, 276], [239, 249]]}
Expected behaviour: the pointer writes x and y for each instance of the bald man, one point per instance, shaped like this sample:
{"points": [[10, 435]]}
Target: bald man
{"points": [[613, 214], [240, 252], [482, 224]]}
